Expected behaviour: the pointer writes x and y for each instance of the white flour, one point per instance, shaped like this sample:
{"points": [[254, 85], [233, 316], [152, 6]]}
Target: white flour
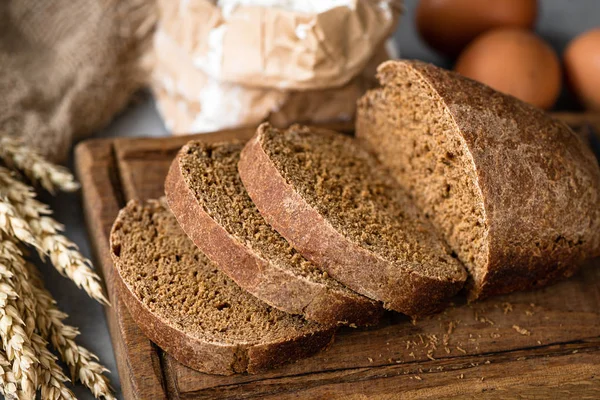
{"points": [[212, 60], [219, 107], [302, 31], [301, 6]]}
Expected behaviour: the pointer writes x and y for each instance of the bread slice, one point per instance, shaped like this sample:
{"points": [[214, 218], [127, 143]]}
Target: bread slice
{"points": [[208, 199], [515, 192], [339, 208], [184, 304]]}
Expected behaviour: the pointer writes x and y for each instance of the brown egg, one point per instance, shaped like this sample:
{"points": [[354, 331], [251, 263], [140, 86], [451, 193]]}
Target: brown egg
{"points": [[449, 25], [514, 61], [582, 67]]}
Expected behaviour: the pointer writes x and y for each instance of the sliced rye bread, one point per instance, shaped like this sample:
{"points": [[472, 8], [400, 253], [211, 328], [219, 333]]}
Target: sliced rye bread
{"points": [[515, 192], [341, 209], [206, 195], [184, 304]]}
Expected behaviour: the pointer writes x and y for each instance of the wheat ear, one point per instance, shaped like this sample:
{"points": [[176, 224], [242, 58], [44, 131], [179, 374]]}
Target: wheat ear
{"points": [[8, 383], [81, 362], [15, 340], [13, 225], [51, 379], [50, 176], [29, 221]]}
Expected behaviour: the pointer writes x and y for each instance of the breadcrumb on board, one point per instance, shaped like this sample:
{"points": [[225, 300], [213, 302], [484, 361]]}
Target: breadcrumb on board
{"points": [[522, 331]]}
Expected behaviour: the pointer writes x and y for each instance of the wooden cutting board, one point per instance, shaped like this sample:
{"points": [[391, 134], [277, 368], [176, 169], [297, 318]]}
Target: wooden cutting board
{"points": [[537, 344]]}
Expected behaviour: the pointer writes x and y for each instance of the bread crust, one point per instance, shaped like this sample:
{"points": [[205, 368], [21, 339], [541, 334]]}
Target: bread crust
{"points": [[314, 237], [257, 275], [210, 356], [527, 164]]}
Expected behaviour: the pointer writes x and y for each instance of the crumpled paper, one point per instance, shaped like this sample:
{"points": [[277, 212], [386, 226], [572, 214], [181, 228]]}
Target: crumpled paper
{"points": [[190, 101], [274, 47]]}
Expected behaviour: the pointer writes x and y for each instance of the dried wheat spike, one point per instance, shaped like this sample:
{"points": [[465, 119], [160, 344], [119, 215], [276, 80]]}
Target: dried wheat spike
{"points": [[22, 216], [15, 340], [66, 258], [82, 363], [8, 383], [52, 177], [12, 224], [51, 379]]}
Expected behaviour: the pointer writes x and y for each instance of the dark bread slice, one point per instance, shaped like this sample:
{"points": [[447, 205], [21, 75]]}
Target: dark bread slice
{"points": [[515, 192], [206, 195], [341, 209], [184, 304]]}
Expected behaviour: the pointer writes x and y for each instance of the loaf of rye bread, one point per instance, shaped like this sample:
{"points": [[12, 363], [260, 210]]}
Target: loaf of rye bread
{"points": [[183, 303], [341, 209], [206, 195], [515, 192]]}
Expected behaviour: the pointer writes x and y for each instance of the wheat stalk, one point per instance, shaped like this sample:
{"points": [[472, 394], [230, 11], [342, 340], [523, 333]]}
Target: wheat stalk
{"points": [[8, 383], [66, 258], [51, 379], [49, 175], [27, 219], [13, 225], [15, 340], [39, 309], [81, 362], [26, 363]]}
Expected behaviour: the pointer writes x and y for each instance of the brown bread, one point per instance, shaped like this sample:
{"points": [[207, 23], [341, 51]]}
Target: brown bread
{"points": [[184, 304], [341, 209], [208, 199], [515, 192]]}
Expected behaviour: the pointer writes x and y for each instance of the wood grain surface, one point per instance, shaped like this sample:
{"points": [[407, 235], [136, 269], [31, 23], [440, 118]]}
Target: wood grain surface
{"points": [[540, 344]]}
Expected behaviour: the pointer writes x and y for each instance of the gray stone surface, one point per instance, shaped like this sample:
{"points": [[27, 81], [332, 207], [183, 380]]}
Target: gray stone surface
{"points": [[560, 21]]}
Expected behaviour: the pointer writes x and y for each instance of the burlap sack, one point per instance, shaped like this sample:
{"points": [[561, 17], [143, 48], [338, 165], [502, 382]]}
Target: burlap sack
{"points": [[67, 67]]}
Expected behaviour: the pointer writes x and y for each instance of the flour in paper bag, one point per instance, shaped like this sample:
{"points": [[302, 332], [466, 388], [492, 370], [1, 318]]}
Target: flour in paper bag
{"points": [[284, 44], [192, 102], [301, 6]]}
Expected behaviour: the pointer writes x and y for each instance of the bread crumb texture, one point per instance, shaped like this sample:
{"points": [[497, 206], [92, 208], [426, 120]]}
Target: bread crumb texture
{"points": [[211, 171], [177, 283], [359, 198], [515, 193]]}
